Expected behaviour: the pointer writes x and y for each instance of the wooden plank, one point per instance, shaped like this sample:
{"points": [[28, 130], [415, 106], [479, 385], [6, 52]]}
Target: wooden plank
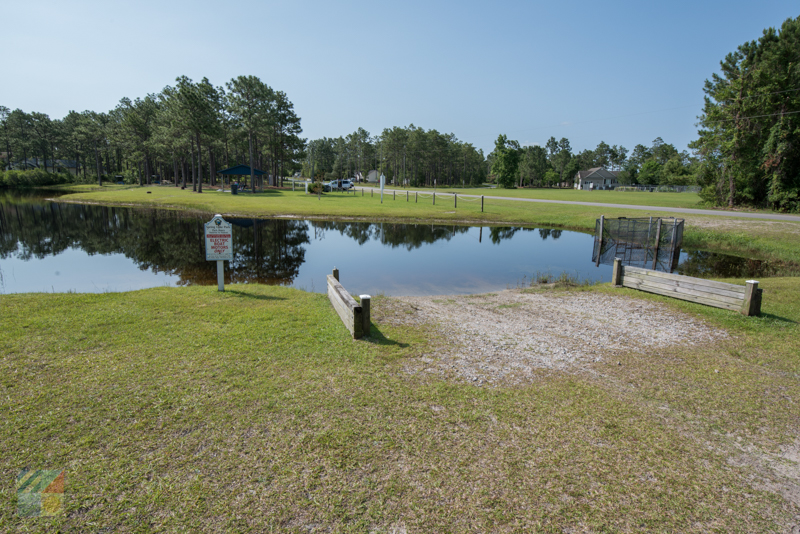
{"points": [[635, 282], [626, 269], [692, 283], [344, 312], [691, 298], [679, 292], [695, 285], [346, 307]]}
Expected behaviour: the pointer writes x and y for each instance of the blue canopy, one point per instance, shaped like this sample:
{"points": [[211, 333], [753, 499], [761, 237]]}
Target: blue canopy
{"points": [[241, 170]]}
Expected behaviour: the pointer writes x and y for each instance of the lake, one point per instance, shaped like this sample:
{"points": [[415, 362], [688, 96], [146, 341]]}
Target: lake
{"points": [[57, 247]]}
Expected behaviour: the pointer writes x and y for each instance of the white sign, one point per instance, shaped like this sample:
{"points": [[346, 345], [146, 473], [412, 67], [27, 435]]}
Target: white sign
{"points": [[219, 239]]}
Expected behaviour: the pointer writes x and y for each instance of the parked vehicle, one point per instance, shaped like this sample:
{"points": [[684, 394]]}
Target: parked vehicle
{"points": [[338, 185]]}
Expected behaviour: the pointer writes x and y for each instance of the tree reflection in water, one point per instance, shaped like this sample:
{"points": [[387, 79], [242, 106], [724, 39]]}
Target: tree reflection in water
{"points": [[703, 264], [268, 251], [394, 235]]}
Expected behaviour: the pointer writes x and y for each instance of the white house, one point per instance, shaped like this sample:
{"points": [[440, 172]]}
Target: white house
{"points": [[597, 178]]}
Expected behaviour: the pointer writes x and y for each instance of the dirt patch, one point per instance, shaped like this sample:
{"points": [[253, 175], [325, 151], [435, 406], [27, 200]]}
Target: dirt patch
{"points": [[507, 337]]}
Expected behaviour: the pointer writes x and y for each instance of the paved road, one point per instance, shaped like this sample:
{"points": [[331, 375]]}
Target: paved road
{"points": [[688, 211]]}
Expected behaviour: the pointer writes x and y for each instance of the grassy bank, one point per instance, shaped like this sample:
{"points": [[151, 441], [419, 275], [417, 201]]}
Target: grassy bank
{"points": [[252, 410], [754, 238], [634, 198]]}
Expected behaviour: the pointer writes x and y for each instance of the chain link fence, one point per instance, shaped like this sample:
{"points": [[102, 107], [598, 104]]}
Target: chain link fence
{"points": [[651, 243]]}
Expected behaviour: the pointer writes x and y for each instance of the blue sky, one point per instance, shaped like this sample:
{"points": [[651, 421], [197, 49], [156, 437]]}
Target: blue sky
{"points": [[621, 72]]}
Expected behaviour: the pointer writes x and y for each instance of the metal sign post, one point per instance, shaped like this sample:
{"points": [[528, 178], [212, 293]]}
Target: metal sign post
{"points": [[219, 245]]}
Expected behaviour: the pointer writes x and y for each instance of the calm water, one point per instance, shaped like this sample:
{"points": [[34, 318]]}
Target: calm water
{"points": [[48, 246]]}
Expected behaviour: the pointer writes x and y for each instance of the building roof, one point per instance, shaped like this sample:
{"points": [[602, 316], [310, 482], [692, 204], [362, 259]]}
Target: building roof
{"points": [[241, 170], [587, 173]]}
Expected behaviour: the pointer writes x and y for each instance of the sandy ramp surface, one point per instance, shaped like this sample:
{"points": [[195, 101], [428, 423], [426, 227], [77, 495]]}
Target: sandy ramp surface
{"points": [[505, 336]]}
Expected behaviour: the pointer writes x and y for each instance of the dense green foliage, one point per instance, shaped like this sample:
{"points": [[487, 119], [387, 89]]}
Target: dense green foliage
{"points": [[505, 163], [556, 165], [174, 135], [33, 178], [750, 126], [409, 155]]}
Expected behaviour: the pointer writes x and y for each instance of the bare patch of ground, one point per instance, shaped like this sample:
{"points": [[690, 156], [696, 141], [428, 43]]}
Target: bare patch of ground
{"points": [[511, 335]]}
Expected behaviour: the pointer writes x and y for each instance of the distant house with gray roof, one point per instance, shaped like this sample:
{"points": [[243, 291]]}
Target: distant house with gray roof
{"points": [[596, 178]]}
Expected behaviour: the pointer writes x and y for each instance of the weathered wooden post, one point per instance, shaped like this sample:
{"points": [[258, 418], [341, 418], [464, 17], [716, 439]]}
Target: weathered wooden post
{"points": [[455, 200], [672, 244], [600, 241], [365, 299], [658, 240], [616, 274], [434, 198], [752, 299], [394, 195], [481, 203], [415, 197], [336, 273], [406, 196]]}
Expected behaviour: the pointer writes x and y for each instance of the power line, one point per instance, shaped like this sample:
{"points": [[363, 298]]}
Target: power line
{"points": [[566, 123], [750, 117], [767, 94]]}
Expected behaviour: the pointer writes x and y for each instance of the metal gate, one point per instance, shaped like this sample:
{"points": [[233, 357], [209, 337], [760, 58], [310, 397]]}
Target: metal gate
{"points": [[652, 243]]}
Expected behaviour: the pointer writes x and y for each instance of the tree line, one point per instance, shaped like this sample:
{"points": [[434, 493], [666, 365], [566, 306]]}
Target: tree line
{"points": [[747, 151], [405, 155], [184, 133], [555, 164]]}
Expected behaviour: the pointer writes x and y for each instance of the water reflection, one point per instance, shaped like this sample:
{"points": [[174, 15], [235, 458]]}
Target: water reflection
{"points": [[393, 235], [414, 236], [267, 251], [702, 264], [48, 246]]}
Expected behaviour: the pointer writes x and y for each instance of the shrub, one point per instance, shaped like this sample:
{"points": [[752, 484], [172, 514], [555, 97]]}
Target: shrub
{"points": [[314, 188], [15, 179]]}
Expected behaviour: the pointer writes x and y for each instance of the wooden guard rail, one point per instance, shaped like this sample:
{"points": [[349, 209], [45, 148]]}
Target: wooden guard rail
{"points": [[355, 316], [744, 299]]}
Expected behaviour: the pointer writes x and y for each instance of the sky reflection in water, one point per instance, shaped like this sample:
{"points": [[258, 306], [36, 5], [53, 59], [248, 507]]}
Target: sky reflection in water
{"points": [[48, 246]]}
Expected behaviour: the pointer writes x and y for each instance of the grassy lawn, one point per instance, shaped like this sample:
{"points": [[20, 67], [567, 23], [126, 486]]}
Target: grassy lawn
{"points": [[636, 198], [185, 409], [754, 238]]}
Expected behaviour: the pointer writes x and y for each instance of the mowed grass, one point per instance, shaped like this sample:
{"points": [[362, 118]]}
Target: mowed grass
{"points": [[771, 240], [186, 409], [635, 198]]}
